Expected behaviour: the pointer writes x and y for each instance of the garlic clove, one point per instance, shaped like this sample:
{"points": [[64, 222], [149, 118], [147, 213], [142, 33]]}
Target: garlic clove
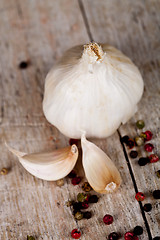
{"points": [[51, 165], [100, 171]]}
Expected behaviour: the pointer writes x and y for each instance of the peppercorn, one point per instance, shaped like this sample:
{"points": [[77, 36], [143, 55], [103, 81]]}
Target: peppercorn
{"points": [[69, 203], [156, 194], [156, 238], [85, 205], [87, 198], [76, 180], [72, 174], [60, 182], [133, 154], [93, 199], [30, 237], [148, 135], [23, 65], [125, 139], [138, 230], [130, 143], [76, 234], [139, 141], [78, 215], [108, 219], [143, 135], [148, 147], [158, 173], [4, 171], [113, 236], [140, 196], [77, 206], [140, 124], [73, 141], [153, 158], [87, 215], [147, 207], [143, 161], [81, 197], [130, 236], [86, 187]]}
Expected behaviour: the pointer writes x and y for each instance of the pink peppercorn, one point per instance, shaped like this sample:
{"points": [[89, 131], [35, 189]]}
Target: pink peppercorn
{"points": [[140, 196], [130, 236], [84, 205], [76, 234], [153, 158], [76, 180], [148, 135], [148, 147], [108, 219]]}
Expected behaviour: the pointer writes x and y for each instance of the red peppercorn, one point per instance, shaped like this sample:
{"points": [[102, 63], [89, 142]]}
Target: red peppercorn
{"points": [[87, 199], [84, 205], [108, 219], [140, 196], [148, 135], [148, 147], [130, 143], [76, 180], [73, 141], [153, 158], [76, 234], [130, 236]]}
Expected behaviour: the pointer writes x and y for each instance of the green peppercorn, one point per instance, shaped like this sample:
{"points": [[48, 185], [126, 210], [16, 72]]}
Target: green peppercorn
{"points": [[81, 197], [143, 135], [30, 238], [78, 215], [158, 173], [140, 124], [86, 187], [139, 141]]}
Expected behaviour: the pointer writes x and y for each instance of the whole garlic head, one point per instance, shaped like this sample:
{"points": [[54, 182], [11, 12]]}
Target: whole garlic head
{"points": [[94, 89]]}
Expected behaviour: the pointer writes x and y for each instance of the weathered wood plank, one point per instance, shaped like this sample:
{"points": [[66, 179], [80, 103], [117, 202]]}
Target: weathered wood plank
{"points": [[133, 27]]}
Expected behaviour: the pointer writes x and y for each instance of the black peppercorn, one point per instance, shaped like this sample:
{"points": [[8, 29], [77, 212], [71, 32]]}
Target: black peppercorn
{"points": [[138, 230], [156, 194], [143, 161], [87, 215], [77, 206], [23, 65], [113, 236], [124, 139], [147, 207], [133, 154], [93, 199], [72, 174], [130, 143]]}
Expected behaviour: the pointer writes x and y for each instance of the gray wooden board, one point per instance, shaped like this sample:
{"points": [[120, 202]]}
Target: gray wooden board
{"points": [[40, 32]]}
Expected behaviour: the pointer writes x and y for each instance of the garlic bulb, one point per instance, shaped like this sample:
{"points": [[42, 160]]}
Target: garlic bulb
{"points": [[93, 89], [51, 165], [100, 171]]}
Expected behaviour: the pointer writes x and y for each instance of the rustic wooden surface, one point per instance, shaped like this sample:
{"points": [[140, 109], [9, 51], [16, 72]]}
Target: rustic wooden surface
{"points": [[40, 31]]}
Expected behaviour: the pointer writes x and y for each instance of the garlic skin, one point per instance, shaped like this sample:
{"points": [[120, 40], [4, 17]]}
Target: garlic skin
{"points": [[92, 88], [50, 166], [100, 171]]}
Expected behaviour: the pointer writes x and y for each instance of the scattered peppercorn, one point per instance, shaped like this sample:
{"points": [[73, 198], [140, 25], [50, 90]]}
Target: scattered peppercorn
{"points": [[148, 147], [108, 219], [156, 238], [23, 65], [87, 215], [139, 141], [78, 215], [130, 143], [60, 182], [113, 236], [86, 187], [153, 158], [76, 234], [143, 161], [133, 154], [84, 205], [81, 197], [76, 180], [77, 206], [140, 196], [138, 230], [148, 135], [158, 173], [156, 194], [143, 135], [87, 199], [147, 207], [130, 236], [73, 141], [69, 203], [140, 124], [4, 171], [30, 237], [93, 199], [72, 174], [125, 139]]}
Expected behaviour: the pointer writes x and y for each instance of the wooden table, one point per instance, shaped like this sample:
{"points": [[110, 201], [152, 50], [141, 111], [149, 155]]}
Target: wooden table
{"points": [[39, 32]]}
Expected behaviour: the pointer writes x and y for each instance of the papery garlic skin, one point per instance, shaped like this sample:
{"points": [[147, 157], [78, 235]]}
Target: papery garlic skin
{"points": [[100, 171], [93, 89], [51, 165]]}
